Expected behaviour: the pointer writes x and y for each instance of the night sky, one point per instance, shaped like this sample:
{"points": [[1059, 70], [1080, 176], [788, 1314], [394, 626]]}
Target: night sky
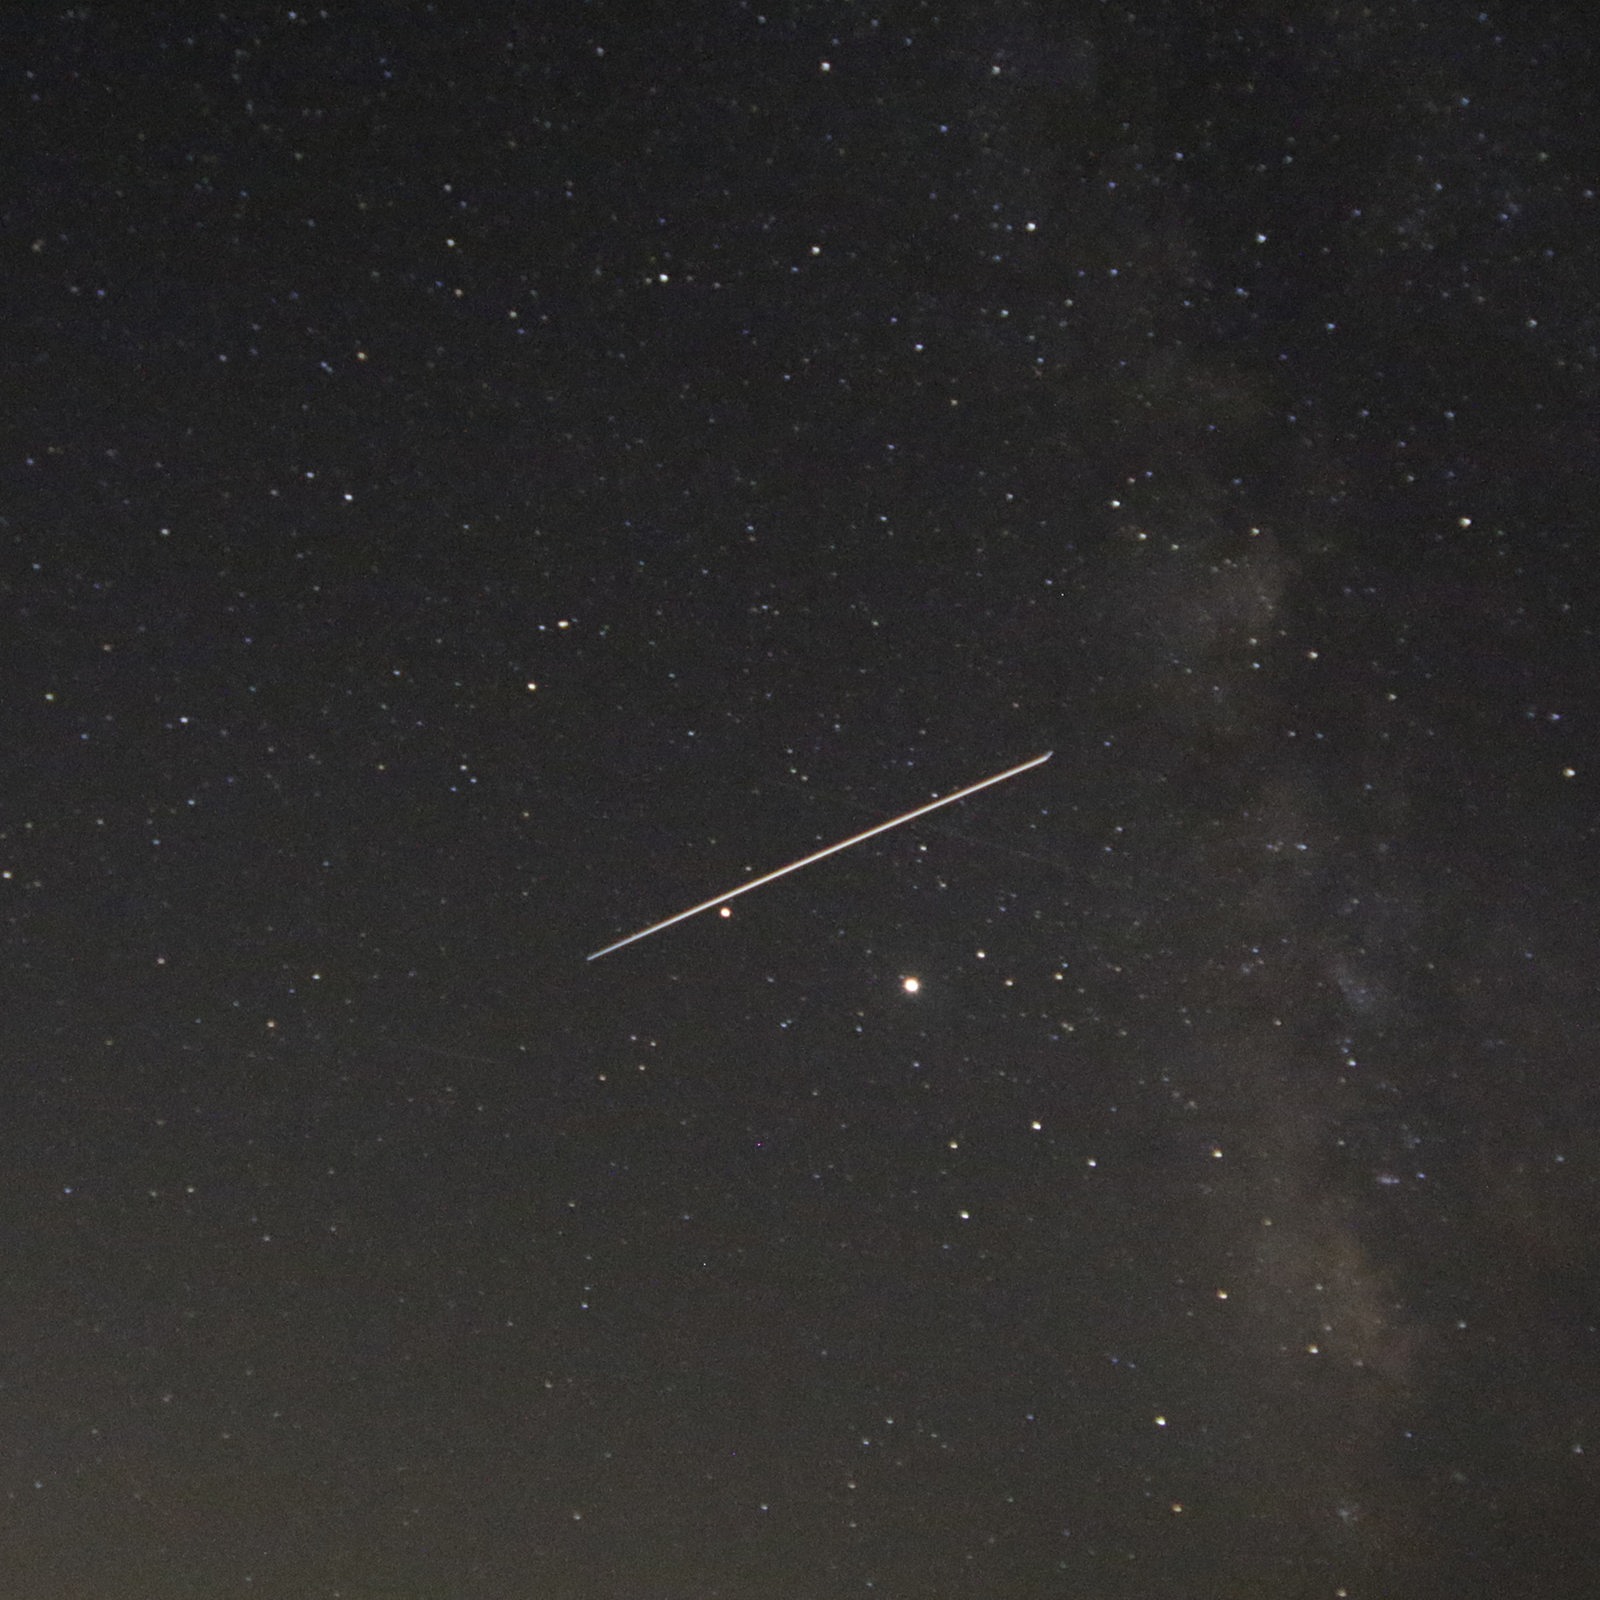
{"points": [[476, 481]]}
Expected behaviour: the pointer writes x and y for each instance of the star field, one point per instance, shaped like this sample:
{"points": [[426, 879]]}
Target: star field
{"points": [[476, 485]]}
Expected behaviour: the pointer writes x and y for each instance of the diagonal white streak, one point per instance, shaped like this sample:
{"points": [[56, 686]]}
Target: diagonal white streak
{"points": [[818, 855]]}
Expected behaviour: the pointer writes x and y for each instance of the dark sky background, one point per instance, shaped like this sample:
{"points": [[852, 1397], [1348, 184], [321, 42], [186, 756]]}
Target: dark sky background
{"points": [[477, 480]]}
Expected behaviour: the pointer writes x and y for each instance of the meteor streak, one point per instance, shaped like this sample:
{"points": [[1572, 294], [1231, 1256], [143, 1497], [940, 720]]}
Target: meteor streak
{"points": [[832, 849]]}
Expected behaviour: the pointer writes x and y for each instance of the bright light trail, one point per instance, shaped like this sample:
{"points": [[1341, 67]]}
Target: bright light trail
{"points": [[832, 849]]}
